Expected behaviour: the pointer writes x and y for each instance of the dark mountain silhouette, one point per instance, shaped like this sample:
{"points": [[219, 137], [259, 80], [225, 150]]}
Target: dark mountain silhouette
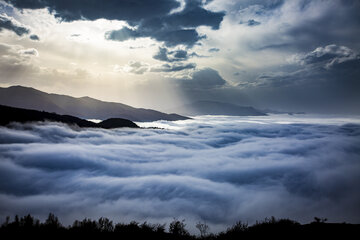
{"points": [[116, 123], [272, 111], [11, 114], [217, 108], [84, 107]]}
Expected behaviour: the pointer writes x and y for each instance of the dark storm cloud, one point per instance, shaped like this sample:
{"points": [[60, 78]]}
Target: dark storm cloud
{"points": [[170, 56], [318, 23], [203, 79], [157, 23], [174, 29], [34, 37], [167, 55], [7, 23], [234, 168], [332, 64], [267, 4], [325, 80], [323, 29], [328, 56], [70, 10], [122, 35], [195, 15], [171, 37]]}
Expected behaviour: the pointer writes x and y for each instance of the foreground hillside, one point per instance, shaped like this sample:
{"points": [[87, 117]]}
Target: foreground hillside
{"points": [[84, 107], [11, 114]]}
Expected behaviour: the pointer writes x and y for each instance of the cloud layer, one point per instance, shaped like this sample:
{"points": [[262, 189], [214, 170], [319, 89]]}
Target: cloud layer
{"points": [[217, 169]]}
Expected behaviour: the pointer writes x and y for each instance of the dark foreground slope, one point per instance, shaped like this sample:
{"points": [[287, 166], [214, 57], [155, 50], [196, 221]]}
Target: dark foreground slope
{"points": [[104, 228], [11, 114], [84, 107]]}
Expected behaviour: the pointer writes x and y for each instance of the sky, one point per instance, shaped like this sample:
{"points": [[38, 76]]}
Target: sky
{"points": [[212, 169], [297, 55]]}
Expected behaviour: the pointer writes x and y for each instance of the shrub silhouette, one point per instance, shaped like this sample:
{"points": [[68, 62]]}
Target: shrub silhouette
{"points": [[28, 226]]}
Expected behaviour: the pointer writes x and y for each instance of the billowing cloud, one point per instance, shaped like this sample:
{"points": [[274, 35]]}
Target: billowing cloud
{"points": [[136, 67], [10, 24], [15, 62], [173, 55], [172, 29], [328, 56], [324, 79], [215, 169], [164, 55], [203, 79], [331, 63], [133, 67], [173, 67]]}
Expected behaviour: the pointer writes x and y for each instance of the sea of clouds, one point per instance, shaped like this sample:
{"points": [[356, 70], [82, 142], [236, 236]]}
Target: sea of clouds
{"points": [[214, 169]]}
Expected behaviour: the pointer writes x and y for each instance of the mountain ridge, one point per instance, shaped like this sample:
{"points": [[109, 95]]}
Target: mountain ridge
{"points": [[21, 115], [83, 107]]}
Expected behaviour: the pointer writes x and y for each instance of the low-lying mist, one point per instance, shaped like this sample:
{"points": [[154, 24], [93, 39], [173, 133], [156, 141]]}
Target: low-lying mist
{"points": [[213, 169]]}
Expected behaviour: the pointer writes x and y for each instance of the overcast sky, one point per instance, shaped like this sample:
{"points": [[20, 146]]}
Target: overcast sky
{"points": [[295, 55]]}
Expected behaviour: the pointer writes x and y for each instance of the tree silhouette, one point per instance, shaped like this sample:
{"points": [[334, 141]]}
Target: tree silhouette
{"points": [[52, 222], [203, 228], [105, 225], [177, 227], [320, 220]]}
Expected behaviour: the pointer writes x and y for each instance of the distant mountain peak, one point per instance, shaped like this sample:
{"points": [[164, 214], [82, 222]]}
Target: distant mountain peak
{"points": [[210, 107], [86, 97], [19, 87]]}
